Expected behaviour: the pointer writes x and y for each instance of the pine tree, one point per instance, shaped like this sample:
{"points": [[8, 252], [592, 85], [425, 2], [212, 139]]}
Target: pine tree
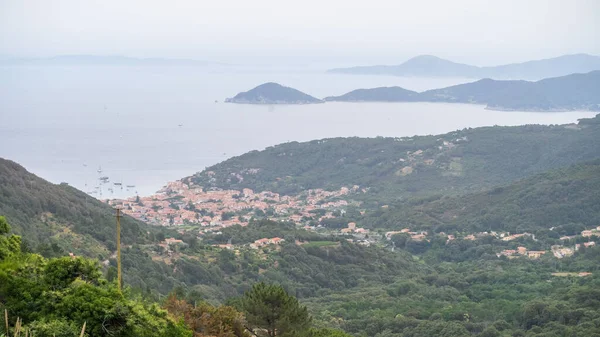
{"points": [[270, 311]]}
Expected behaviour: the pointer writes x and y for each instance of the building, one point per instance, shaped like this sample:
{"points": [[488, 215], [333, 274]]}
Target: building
{"points": [[533, 254]]}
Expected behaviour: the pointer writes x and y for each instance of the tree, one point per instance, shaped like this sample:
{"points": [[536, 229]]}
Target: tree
{"points": [[206, 320], [9, 244], [325, 332], [271, 311], [4, 226]]}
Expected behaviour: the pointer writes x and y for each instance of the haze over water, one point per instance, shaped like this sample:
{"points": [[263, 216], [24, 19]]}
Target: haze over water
{"points": [[145, 126]]}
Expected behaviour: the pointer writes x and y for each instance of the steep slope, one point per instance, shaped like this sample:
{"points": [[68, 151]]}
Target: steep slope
{"points": [[566, 199], [469, 159], [47, 212], [273, 93], [431, 66]]}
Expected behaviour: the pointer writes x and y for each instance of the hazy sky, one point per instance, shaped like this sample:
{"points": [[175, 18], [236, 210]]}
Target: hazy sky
{"points": [[303, 31]]}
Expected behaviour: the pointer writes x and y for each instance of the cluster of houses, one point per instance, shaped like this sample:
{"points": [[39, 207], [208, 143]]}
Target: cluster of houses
{"points": [[561, 251], [180, 204], [521, 251]]}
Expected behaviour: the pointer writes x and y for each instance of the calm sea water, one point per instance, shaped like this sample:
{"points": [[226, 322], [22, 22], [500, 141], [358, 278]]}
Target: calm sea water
{"points": [[146, 126]]}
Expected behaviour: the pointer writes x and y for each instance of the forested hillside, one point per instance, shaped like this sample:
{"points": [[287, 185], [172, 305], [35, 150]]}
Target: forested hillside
{"points": [[45, 211], [560, 198], [396, 168]]}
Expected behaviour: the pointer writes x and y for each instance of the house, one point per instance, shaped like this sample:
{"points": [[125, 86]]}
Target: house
{"points": [[361, 231], [507, 252], [172, 241], [586, 233], [533, 254], [352, 225], [418, 237], [559, 251], [388, 235], [522, 250]]}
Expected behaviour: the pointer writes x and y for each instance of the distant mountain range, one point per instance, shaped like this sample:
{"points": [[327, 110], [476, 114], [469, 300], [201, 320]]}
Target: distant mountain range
{"points": [[432, 66], [572, 92], [273, 93], [103, 60]]}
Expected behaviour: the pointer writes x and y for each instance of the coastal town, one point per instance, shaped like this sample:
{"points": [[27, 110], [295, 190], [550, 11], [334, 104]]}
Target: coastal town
{"points": [[194, 209], [182, 206]]}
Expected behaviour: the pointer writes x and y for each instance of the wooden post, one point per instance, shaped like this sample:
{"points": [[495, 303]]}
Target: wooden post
{"points": [[119, 277]]}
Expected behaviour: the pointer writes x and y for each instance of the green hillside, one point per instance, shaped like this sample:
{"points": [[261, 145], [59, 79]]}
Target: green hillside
{"points": [[59, 213], [566, 199], [396, 168]]}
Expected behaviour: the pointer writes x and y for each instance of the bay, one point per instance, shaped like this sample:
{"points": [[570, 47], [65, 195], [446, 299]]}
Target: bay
{"points": [[145, 126]]}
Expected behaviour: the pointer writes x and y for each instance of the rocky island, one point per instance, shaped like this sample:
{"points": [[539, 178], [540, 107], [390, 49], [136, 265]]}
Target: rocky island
{"points": [[273, 93]]}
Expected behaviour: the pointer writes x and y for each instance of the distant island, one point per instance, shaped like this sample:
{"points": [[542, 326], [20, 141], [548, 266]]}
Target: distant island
{"points": [[566, 93], [102, 60], [432, 66], [273, 93]]}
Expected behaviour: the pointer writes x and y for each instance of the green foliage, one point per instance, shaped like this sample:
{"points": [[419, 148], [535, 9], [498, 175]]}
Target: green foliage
{"points": [[270, 308], [61, 272], [56, 296], [325, 332], [42, 211], [565, 199], [4, 226], [478, 158]]}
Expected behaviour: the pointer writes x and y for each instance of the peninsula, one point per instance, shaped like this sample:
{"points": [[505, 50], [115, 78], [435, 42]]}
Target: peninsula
{"points": [[566, 93]]}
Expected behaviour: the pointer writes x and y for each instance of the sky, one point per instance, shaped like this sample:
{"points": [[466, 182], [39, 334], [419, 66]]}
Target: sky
{"points": [[302, 32]]}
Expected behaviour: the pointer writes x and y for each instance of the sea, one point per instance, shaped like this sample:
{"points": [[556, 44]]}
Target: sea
{"points": [[141, 127]]}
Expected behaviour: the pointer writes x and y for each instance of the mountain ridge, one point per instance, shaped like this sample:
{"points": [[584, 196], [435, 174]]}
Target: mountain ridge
{"points": [[433, 66]]}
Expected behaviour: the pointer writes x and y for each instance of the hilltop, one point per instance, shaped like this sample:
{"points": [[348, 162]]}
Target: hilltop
{"points": [[571, 92], [432, 66], [273, 93], [456, 162]]}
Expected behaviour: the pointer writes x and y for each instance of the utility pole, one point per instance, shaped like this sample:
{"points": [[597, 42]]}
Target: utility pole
{"points": [[119, 247]]}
